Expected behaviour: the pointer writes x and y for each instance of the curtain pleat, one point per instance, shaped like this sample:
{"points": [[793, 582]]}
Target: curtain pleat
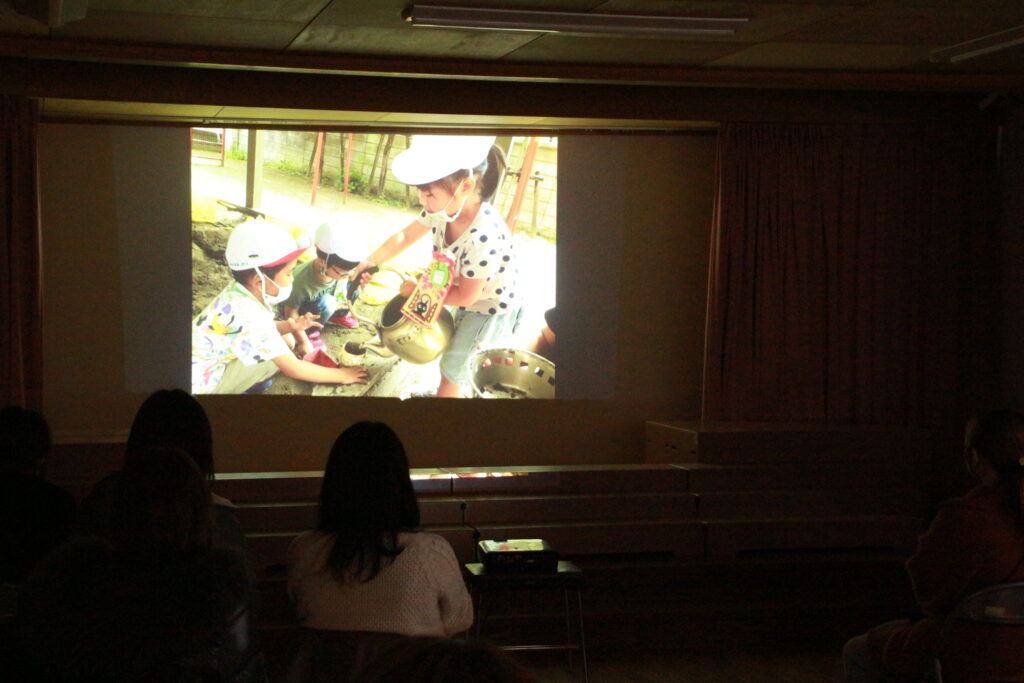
{"points": [[853, 274], [20, 267]]}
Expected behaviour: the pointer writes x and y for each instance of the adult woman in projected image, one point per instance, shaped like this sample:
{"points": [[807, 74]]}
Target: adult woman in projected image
{"points": [[457, 177], [974, 541], [237, 346], [366, 567]]}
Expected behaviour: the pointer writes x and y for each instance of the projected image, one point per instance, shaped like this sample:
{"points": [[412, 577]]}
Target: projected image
{"points": [[365, 264]]}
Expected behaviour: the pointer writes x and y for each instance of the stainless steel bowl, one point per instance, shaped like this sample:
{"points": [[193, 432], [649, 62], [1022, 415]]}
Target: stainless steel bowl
{"points": [[511, 373]]}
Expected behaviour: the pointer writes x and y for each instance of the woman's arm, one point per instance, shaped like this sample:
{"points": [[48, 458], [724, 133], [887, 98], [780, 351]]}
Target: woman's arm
{"points": [[292, 367]]}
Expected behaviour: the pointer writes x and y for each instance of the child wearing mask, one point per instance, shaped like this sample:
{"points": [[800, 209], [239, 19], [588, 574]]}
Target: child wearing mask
{"points": [[457, 177], [236, 343], [321, 286]]}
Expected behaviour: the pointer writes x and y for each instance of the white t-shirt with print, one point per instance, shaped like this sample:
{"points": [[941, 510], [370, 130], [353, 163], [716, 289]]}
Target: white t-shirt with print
{"points": [[234, 326], [484, 251]]}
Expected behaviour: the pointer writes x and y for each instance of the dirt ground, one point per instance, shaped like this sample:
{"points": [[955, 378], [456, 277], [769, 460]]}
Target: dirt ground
{"points": [[286, 201]]}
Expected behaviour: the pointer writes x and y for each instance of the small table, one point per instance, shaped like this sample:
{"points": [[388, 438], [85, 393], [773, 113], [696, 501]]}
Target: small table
{"points": [[569, 578]]}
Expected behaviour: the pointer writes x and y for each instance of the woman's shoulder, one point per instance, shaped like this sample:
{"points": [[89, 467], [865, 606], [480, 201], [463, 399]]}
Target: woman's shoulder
{"points": [[426, 543]]}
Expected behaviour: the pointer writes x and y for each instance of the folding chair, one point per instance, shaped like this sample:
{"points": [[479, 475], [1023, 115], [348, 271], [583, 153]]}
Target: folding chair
{"points": [[1000, 604]]}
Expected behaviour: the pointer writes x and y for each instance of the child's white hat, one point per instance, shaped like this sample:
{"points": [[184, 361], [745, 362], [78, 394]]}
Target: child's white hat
{"points": [[432, 157], [332, 238], [259, 244]]}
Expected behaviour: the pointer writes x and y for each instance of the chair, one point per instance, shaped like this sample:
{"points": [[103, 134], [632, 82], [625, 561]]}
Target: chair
{"points": [[1001, 605]]}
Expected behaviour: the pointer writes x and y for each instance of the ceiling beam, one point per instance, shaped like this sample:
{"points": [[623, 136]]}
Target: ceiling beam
{"points": [[349, 65]]}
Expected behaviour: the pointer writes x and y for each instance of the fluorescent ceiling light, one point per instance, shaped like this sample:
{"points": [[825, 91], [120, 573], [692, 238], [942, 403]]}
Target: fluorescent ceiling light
{"points": [[979, 46], [581, 23]]}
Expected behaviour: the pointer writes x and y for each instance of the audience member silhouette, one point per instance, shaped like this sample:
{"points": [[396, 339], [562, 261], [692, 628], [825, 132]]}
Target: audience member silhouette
{"points": [[974, 541], [151, 601], [173, 418], [365, 576], [35, 515]]}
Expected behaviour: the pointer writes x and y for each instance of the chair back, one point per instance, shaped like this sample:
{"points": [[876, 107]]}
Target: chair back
{"points": [[999, 605]]}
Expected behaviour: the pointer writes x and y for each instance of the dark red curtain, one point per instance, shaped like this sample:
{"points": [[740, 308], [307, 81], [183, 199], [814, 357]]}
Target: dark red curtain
{"points": [[21, 379], [853, 274]]}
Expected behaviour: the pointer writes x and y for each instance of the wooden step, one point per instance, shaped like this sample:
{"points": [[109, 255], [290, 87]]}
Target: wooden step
{"points": [[528, 508], [262, 517], [281, 487], [842, 478], [682, 538], [572, 479], [731, 538], [740, 443], [767, 504]]}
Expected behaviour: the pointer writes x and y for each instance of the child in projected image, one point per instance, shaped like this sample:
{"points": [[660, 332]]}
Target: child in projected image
{"points": [[321, 286], [457, 177], [236, 343]]}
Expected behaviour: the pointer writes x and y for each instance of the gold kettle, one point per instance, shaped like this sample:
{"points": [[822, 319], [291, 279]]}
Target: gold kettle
{"points": [[408, 340]]}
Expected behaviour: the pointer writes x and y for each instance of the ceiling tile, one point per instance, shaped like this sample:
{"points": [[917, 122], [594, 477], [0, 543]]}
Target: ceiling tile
{"points": [[135, 28], [892, 24], [824, 56], [295, 11], [621, 51], [410, 41]]}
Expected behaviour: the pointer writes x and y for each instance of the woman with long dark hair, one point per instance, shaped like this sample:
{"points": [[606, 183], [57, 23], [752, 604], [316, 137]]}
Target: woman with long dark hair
{"points": [[974, 542], [174, 419], [150, 601], [366, 567]]}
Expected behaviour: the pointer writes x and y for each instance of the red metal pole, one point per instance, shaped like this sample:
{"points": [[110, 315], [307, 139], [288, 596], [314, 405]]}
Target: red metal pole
{"points": [[317, 156], [348, 164]]}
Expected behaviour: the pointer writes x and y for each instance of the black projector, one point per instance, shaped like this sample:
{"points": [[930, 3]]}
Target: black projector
{"points": [[517, 556]]}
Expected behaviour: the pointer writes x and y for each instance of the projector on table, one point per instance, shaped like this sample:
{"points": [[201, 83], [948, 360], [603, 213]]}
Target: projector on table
{"points": [[517, 556]]}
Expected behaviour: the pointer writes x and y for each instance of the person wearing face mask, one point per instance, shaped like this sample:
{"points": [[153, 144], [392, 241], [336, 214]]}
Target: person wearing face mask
{"points": [[321, 286], [457, 177], [236, 343]]}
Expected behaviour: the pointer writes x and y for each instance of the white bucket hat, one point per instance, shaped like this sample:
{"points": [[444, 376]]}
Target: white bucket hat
{"points": [[259, 244], [432, 157], [331, 238]]}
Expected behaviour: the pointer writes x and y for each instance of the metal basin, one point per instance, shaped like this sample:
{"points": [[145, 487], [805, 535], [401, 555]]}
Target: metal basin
{"points": [[408, 340], [511, 373]]}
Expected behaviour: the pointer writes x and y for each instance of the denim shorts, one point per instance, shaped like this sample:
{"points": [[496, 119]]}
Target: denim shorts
{"points": [[472, 331]]}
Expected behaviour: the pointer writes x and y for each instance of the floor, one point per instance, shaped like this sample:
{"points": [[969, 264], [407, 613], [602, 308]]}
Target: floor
{"points": [[659, 667]]}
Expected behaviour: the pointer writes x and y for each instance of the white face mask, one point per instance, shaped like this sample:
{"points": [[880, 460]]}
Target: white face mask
{"points": [[282, 291], [442, 215]]}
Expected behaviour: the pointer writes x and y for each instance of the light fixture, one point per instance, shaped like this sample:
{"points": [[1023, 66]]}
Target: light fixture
{"points": [[979, 46], [579, 23]]}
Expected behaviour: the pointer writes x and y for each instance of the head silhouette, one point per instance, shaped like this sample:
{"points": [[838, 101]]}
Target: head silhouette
{"points": [[366, 500]]}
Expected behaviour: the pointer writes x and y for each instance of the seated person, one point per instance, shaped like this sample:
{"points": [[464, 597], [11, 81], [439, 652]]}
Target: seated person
{"points": [[365, 567], [322, 287], [153, 601], [168, 417], [237, 346], [974, 542], [35, 515]]}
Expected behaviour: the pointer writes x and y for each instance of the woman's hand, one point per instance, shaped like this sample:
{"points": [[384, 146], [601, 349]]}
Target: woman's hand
{"points": [[407, 288], [303, 322]]}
